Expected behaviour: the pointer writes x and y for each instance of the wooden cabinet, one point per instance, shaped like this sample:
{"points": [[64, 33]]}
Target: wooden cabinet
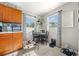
{"points": [[10, 42], [17, 40], [5, 43], [1, 12], [17, 16], [8, 14]]}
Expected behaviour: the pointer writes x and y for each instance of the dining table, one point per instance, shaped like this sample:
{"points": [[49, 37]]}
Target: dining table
{"points": [[40, 37]]}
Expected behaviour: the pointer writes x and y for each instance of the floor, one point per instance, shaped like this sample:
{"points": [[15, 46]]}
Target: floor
{"points": [[43, 50], [48, 51]]}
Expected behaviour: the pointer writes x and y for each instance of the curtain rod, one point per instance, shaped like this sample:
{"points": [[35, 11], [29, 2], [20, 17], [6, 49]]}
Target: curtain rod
{"points": [[29, 15]]}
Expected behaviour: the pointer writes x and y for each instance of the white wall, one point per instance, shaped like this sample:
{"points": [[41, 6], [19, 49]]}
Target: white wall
{"points": [[78, 38], [69, 34], [78, 30]]}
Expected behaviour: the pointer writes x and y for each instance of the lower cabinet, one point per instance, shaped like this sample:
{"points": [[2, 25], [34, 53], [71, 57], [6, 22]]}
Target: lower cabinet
{"points": [[17, 41], [10, 42], [5, 46]]}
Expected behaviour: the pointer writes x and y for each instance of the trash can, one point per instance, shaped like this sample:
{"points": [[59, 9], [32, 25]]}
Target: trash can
{"points": [[53, 43]]}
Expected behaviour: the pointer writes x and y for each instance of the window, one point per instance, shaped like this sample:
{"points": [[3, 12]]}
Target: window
{"points": [[29, 21], [53, 20], [29, 26]]}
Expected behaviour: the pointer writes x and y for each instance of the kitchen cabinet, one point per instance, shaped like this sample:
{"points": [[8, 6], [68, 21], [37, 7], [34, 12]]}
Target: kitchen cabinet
{"points": [[17, 40], [1, 12], [5, 43], [10, 42], [9, 14], [17, 16]]}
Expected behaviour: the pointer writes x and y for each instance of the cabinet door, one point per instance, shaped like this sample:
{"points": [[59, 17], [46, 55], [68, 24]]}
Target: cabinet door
{"points": [[17, 17], [17, 40], [7, 14], [5, 43], [1, 8]]}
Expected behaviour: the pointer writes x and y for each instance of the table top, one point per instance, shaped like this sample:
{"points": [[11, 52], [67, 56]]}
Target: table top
{"points": [[39, 33]]}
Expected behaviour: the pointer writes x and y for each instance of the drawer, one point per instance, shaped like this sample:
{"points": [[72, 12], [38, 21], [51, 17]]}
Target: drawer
{"points": [[7, 35], [17, 35]]}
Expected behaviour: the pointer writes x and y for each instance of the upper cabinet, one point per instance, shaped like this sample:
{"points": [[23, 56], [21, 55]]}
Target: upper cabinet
{"points": [[1, 12], [8, 14], [17, 16]]}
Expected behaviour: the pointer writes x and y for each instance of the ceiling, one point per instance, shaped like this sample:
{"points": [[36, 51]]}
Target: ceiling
{"points": [[37, 8]]}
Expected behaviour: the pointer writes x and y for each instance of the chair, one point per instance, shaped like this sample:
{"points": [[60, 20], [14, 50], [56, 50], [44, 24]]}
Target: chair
{"points": [[44, 38], [36, 37]]}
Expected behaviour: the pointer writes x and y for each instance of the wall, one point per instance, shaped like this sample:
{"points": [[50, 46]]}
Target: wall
{"points": [[68, 34], [78, 29], [78, 38]]}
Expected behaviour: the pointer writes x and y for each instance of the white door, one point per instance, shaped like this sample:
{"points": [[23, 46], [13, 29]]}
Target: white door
{"points": [[54, 27]]}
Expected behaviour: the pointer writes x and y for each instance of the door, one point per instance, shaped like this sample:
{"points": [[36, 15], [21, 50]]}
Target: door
{"points": [[29, 22], [17, 40], [54, 28], [5, 43], [1, 12], [17, 16], [7, 14]]}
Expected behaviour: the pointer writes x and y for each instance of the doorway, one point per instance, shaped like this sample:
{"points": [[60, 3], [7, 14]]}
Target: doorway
{"points": [[29, 26], [54, 27]]}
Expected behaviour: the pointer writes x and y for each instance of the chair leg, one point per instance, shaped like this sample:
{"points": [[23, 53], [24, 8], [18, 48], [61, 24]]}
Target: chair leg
{"points": [[46, 42], [37, 45]]}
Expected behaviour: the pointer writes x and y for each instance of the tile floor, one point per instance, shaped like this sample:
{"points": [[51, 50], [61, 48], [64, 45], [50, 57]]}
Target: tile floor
{"points": [[44, 50]]}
